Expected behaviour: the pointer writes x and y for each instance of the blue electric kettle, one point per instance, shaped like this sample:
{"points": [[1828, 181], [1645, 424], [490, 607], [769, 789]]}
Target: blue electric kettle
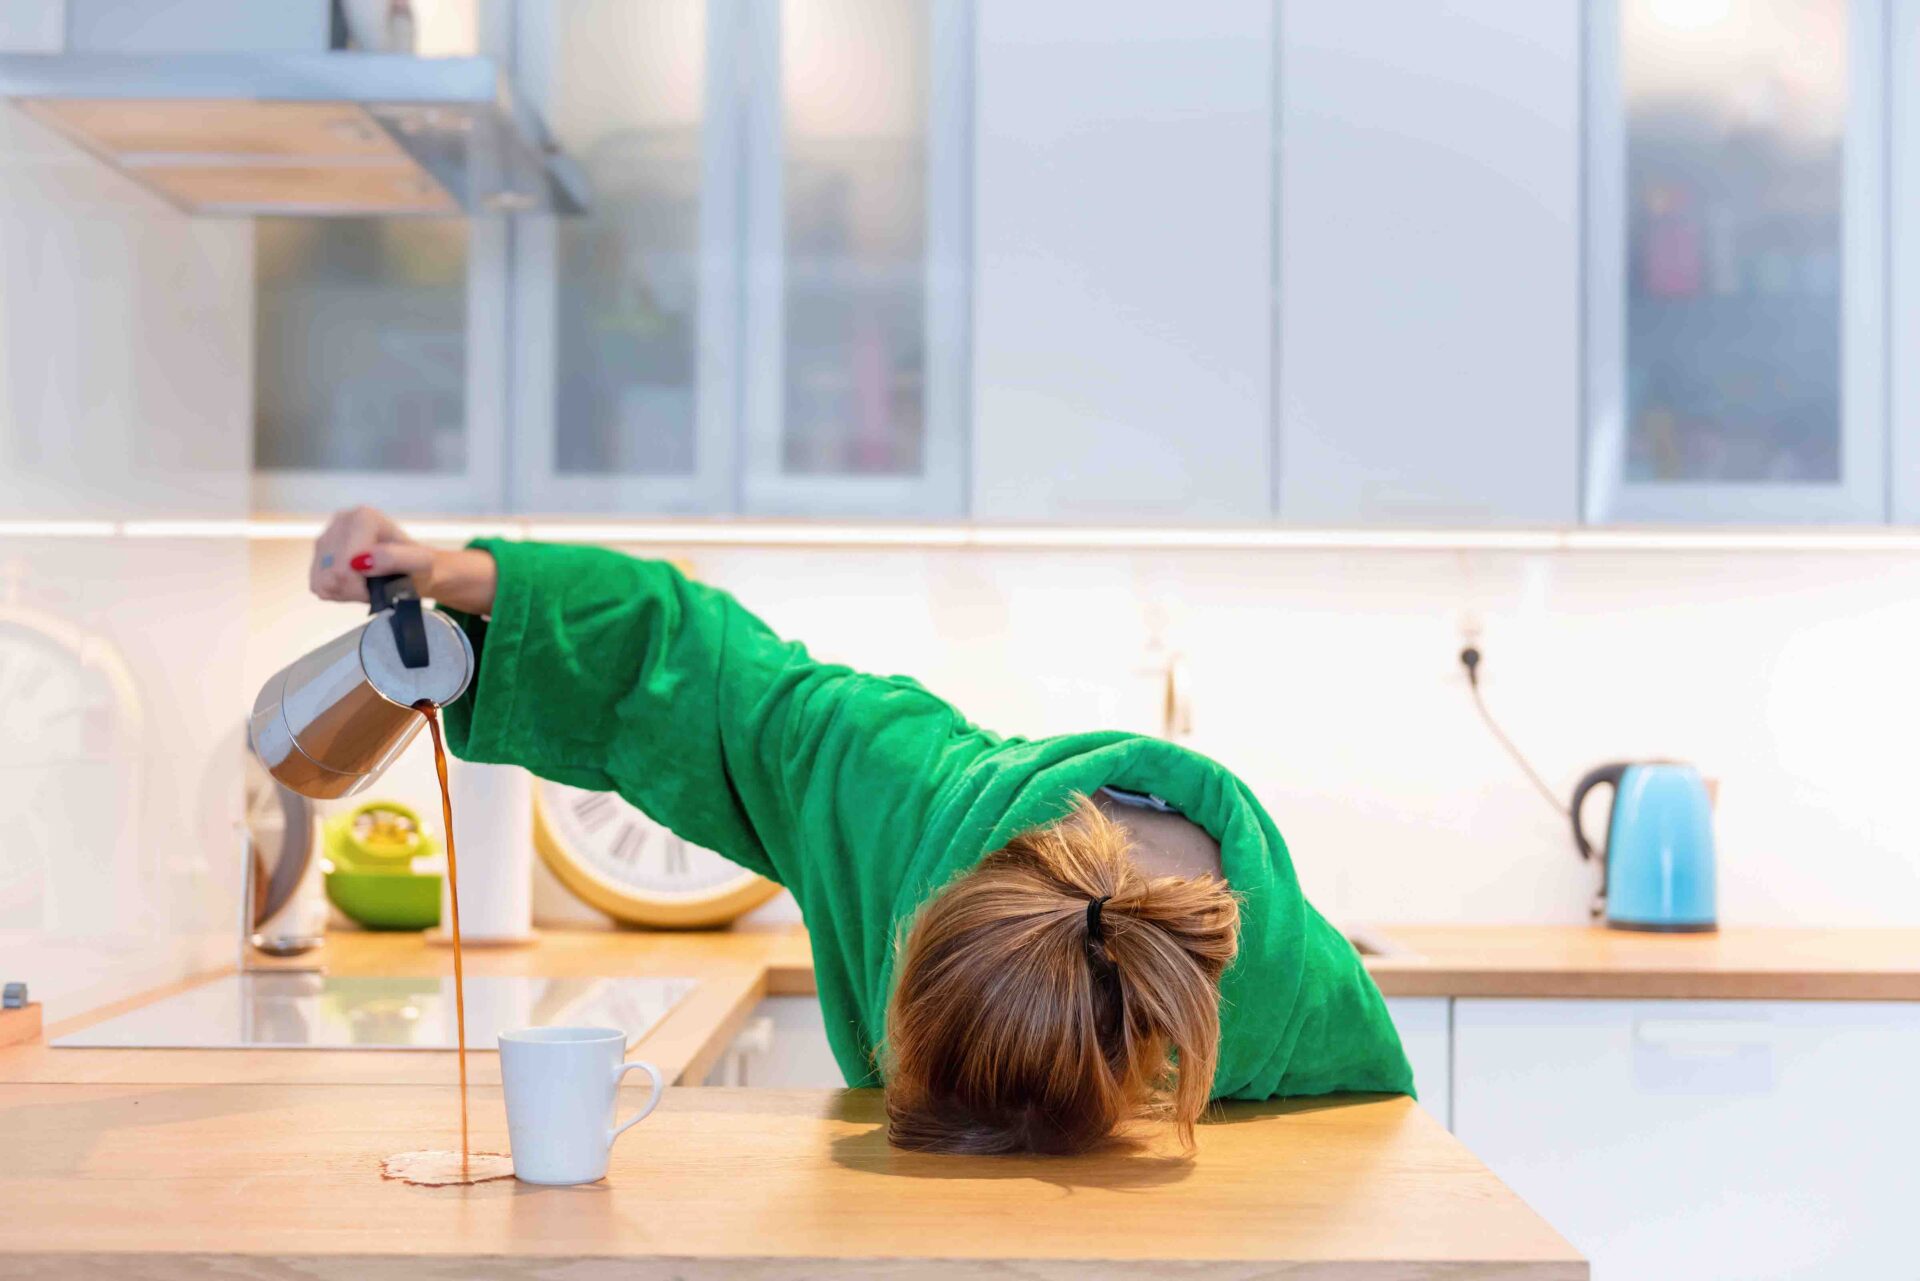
{"points": [[1657, 859]]}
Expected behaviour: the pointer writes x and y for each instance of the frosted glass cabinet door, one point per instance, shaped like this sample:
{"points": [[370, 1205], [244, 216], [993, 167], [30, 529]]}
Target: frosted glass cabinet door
{"points": [[368, 378], [1736, 261], [855, 323], [1904, 239], [625, 321]]}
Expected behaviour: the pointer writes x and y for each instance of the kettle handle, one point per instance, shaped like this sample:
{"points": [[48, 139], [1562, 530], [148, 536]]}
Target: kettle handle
{"points": [[1611, 776]]}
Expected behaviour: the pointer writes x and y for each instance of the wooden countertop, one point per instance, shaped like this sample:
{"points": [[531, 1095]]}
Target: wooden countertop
{"points": [[184, 1180], [1737, 963], [179, 1155], [265, 1162]]}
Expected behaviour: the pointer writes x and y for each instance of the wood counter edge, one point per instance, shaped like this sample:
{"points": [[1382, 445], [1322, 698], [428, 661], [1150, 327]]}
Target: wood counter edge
{"points": [[750, 1267], [1643, 985]]}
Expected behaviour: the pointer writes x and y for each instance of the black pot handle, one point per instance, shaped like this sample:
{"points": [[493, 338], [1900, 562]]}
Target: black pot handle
{"points": [[1611, 776], [396, 592]]}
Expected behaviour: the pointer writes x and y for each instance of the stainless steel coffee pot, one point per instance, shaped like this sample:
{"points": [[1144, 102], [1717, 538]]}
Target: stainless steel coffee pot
{"points": [[328, 724]]}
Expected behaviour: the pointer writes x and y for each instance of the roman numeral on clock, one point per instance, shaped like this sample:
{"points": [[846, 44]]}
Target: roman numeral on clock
{"points": [[626, 846], [594, 810]]}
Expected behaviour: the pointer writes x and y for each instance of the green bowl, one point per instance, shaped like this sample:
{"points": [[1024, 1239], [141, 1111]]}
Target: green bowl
{"points": [[387, 900]]}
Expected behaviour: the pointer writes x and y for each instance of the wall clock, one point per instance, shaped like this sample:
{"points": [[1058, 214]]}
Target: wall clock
{"points": [[625, 864], [70, 741]]}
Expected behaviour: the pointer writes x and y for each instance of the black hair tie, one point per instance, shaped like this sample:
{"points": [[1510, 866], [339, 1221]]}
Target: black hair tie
{"points": [[1093, 919]]}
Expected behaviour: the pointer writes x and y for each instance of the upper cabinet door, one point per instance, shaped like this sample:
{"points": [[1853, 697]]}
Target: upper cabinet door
{"points": [[1429, 231], [376, 377], [1123, 261], [854, 330], [1736, 264], [626, 321]]}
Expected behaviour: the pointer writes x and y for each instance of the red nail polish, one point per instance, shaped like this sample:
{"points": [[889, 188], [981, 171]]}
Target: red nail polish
{"points": [[363, 562]]}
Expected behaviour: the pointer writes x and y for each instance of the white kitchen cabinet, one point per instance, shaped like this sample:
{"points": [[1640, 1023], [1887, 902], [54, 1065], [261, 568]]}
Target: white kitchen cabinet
{"points": [[1122, 260], [1692, 1139], [783, 1046], [1736, 261], [1428, 343], [1425, 1024], [33, 26]]}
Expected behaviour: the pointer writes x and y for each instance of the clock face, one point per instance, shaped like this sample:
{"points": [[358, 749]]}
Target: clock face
{"points": [[631, 867], [57, 708], [69, 779]]}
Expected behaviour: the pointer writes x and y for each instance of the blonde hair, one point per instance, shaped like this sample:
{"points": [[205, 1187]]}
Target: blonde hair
{"points": [[1016, 1025]]}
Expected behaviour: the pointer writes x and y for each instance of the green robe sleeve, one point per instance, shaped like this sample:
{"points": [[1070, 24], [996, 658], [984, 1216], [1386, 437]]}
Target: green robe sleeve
{"points": [[605, 671]]}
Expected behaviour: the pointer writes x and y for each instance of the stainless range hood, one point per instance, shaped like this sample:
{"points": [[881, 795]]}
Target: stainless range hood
{"points": [[303, 133]]}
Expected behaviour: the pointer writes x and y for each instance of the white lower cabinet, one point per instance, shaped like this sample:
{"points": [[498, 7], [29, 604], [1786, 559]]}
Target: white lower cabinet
{"points": [[1702, 1138], [782, 1046], [1425, 1027]]}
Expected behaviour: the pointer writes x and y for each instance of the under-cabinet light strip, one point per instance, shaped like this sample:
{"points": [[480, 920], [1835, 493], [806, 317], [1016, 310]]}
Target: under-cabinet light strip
{"points": [[58, 529], [188, 528], [752, 533]]}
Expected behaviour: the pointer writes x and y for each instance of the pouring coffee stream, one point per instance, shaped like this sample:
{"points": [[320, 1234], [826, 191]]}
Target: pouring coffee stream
{"points": [[329, 723], [432, 713]]}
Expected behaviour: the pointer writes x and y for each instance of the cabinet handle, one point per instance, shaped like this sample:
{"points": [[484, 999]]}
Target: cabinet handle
{"points": [[1703, 1034]]}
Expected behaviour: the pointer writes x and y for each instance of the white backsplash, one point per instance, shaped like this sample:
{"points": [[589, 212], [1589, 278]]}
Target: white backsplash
{"points": [[125, 367], [1329, 681]]}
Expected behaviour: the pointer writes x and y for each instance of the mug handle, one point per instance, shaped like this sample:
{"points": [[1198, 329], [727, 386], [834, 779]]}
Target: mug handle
{"points": [[652, 1102]]}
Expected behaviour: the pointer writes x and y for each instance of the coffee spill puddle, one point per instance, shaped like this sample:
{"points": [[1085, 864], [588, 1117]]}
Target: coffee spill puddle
{"points": [[436, 1168], [439, 1169]]}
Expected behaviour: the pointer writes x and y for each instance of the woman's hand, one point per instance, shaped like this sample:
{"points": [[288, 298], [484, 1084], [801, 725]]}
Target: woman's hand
{"points": [[361, 541]]}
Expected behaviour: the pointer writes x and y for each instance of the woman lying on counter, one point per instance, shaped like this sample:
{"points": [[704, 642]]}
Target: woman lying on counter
{"points": [[1032, 943]]}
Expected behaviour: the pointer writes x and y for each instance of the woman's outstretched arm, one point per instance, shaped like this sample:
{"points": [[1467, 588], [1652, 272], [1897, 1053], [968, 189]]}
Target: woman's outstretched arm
{"points": [[611, 672]]}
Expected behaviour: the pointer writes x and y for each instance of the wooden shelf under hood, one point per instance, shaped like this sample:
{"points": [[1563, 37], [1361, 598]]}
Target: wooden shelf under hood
{"points": [[304, 133], [210, 156]]}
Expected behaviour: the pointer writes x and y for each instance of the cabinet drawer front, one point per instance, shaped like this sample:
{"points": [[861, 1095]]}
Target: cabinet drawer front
{"points": [[1700, 1138]]}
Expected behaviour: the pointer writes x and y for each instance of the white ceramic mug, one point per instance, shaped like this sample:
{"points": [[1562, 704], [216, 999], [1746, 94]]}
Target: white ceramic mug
{"points": [[562, 1086]]}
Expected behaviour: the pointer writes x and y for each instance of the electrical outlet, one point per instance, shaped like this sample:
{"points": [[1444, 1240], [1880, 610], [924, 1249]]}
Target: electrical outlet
{"points": [[1467, 656]]}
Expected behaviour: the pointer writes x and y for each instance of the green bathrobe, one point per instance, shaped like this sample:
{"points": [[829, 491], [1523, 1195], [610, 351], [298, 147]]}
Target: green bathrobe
{"points": [[865, 794]]}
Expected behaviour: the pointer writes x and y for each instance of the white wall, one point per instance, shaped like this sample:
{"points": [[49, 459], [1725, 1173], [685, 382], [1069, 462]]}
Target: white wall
{"points": [[1329, 681], [125, 362]]}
